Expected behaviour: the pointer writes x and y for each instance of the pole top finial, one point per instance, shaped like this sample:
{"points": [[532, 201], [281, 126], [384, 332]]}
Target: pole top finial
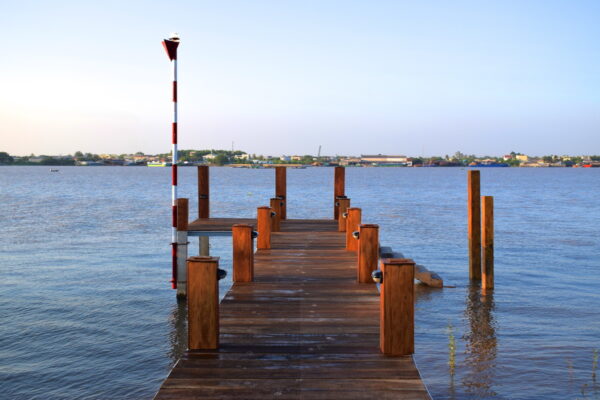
{"points": [[170, 46]]}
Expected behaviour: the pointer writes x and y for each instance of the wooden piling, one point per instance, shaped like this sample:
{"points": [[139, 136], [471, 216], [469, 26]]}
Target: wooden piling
{"points": [[368, 251], [264, 227], [342, 208], [182, 214], [487, 242], [281, 189], [338, 189], [203, 303], [182, 245], [243, 253], [397, 307], [203, 192], [352, 223], [276, 220], [474, 224]]}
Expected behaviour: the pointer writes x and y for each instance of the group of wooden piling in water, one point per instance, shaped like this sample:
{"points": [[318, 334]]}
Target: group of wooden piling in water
{"points": [[480, 232], [201, 272]]}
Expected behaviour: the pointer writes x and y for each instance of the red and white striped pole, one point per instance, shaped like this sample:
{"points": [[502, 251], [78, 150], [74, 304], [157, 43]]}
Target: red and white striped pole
{"points": [[170, 46]]}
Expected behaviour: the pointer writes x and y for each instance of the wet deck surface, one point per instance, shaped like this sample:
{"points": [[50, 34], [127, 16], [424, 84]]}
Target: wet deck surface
{"points": [[304, 329]]}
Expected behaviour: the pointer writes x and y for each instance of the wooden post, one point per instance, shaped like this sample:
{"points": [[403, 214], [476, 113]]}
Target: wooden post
{"points": [[397, 307], [342, 208], [264, 227], [352, 223], [182, 245], [338, 189], [474, 224], [281, 188], [243, 253], [368, 251], [487, 241], [203, 205], [276, 220], [203, 192], [203, 303]]}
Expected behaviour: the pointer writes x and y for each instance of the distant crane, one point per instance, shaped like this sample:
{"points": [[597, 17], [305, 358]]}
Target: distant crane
{"points": [[318, 161]]}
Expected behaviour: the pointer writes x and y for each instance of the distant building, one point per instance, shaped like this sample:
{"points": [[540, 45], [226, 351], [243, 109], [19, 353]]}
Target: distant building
{"points": [[522, 157], [507, 157], [382, 159], [285, 158]]}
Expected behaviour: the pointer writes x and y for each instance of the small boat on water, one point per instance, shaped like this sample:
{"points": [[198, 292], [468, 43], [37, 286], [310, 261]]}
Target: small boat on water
{"points": [[158, 164], [53, 170]]}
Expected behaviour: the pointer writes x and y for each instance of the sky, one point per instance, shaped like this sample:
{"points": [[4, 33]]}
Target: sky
{"points": [[417, 78]]}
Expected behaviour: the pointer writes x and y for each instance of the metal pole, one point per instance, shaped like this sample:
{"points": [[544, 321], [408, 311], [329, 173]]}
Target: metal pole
{"points": [[170, 46]]}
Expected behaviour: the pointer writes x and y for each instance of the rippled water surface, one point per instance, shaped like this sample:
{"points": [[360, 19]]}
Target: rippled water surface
{"points": [[87, 311]]}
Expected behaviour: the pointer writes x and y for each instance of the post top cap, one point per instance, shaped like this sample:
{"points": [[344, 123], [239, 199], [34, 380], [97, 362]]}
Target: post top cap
{"points": [[203, 259], [397, 261], [241, 226]]}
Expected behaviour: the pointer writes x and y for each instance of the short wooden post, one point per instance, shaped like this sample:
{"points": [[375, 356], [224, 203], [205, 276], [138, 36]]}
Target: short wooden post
{"points": [[264, 227], [352, 223], [182, 245], [474, 224], [368, 251], [487, 241], [203, 205], [343, 208], [276, 220], [397, 307], [281, 189], [338, 189], [243, 253], [203, 192], [203, 303]]}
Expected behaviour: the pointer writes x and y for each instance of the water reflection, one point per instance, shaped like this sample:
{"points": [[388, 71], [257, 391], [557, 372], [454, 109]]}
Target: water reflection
{"points": [[178, 334], [481, 343]]}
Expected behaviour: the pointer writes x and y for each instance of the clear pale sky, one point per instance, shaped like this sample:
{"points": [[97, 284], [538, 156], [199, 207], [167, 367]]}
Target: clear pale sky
{"points": [[283, 77]]}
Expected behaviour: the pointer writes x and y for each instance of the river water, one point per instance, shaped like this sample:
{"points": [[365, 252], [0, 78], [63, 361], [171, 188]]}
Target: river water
{"points": [[87, 311]]}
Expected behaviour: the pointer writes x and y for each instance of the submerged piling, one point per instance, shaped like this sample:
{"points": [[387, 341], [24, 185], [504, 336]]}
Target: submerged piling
{"points": [[487, 242], [474, 224]]}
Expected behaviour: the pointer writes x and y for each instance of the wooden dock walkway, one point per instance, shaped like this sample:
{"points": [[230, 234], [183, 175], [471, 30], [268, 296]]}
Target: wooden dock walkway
{"points": [[304, 329]]}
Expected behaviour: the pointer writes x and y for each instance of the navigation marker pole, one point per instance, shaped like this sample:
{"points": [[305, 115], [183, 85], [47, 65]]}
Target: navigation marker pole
{"points": [[170, 46]]}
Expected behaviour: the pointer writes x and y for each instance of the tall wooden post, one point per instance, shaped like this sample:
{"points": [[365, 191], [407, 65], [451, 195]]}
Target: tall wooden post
{"points": [[397, 307], [203, 192], [203, 205], [338, 189], [203, 303], [264, 227], [474, 224], [368, 251], [352, 223], [182, 245], [343, 205], [243, 253], [487, 240], [281, 189], [276, 220]]}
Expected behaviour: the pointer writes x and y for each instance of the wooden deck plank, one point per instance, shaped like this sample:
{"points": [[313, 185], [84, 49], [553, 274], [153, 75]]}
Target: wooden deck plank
{"points": [[304, 329]]}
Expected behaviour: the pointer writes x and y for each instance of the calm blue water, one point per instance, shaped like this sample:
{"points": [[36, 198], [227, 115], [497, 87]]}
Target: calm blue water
{"points": [[87, 311]]}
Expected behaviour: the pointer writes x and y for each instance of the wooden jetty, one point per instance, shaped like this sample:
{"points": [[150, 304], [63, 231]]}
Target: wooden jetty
{"points": [[297, 324]]}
